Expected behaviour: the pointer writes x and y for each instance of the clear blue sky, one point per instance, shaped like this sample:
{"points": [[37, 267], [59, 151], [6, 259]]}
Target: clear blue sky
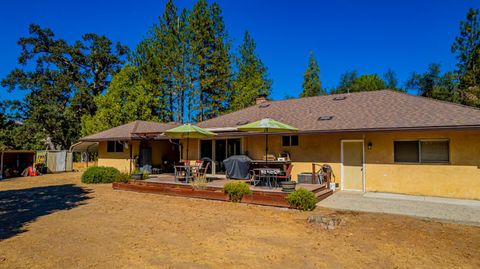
{"points": [[369, 36]]}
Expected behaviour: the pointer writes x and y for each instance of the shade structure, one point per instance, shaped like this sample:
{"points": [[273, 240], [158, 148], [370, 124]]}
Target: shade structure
{"points": [[267, 126], [188, 131]]}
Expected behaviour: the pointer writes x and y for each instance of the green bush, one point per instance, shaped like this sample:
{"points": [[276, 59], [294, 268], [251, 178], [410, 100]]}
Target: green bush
{"points": [[302, 199], [236, 190], [101, 174], [122, 177]]}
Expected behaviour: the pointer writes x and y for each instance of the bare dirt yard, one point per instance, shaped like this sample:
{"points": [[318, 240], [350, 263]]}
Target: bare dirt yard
{"points": [[56, 221]]}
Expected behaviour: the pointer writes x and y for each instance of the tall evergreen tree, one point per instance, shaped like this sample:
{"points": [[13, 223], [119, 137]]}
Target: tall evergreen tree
{"points": [[211, 58], [312, 86], [467, 50], [251, 78]]}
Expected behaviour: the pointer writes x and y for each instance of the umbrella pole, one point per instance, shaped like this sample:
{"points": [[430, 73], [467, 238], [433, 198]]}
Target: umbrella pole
{"points": [[188, 138], [266, 149]]}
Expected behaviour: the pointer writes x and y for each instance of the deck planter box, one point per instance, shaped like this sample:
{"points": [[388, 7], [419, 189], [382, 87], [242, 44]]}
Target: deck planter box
{"points": [[288, 186], [137, 176]]}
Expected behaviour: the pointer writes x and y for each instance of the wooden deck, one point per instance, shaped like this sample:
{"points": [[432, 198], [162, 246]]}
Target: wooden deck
{"points": [[165, 184]]}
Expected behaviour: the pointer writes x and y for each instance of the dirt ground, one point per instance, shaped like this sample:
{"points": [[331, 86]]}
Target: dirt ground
{"points": [[55, 221]]}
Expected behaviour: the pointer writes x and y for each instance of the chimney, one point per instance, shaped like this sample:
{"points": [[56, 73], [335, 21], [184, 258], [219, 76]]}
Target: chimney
{"points": [[261, 99]]}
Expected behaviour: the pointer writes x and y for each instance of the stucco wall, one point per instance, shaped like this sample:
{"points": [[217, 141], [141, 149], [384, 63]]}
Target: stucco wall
{"points": [[460, 178], [119, 160]]}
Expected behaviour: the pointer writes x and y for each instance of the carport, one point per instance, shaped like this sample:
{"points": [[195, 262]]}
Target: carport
{"points": [[13, 162]]}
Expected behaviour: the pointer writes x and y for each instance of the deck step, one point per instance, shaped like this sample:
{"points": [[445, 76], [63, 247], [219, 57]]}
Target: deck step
{"points": [[323, 194]]}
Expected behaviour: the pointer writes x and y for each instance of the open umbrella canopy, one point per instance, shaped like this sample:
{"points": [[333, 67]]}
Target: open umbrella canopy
{"points": [[188, 131], [267, 125]]}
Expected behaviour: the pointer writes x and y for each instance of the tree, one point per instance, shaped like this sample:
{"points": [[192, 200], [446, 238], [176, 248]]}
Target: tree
{"points": [[434, 84], [61, 81], [391, 81], [251, 79], [467, 50], [311, 79], [211, 59], [124, 101], [350, 82]]}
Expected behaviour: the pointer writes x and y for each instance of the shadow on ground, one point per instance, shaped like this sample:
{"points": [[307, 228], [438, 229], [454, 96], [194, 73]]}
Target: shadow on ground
{"points": [[19, 207]]}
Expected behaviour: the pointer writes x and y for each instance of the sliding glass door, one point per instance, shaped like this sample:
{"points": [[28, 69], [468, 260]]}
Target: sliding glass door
{"points": [[223, 148]]}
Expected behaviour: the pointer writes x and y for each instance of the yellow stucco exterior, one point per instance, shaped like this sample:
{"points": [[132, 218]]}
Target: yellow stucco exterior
{"points": [[460, 178], [121, 160]]}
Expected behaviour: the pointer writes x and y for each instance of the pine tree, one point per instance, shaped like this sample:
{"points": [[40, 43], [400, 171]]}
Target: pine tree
{"points": [[211, 56], [251, 79], [311, 79], [467, 50]]}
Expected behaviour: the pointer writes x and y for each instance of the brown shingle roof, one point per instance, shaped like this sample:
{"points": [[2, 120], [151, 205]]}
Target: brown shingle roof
{"points": [[130, 130], [377, 110]]}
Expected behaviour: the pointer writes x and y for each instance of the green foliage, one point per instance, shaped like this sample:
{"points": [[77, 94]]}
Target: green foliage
{"points": [[200, 182], [391, 81], [122, 177], [251, 79], [101, 174], [61, 80], [467, 51], [236, 190], [210, 47], [351, 82], [302, 199], [311, 79], [124, 101], [434, 84]]}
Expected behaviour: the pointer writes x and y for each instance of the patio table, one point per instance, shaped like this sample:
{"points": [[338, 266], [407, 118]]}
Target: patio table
{"points": [[189, 170], [267, 175]]}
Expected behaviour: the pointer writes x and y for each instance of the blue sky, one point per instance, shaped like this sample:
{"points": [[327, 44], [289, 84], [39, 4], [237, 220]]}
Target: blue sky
{"points": [[368, 36]]}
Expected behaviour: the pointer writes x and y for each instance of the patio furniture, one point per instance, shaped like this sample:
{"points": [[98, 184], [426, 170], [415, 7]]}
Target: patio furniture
{"points": [[184, 171], [288, 174], [188, 131], [267, 176], [202, 171], [267, 126]]}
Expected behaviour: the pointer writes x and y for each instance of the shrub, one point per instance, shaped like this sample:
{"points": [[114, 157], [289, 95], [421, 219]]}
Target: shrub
{"points": [[236, 190], [101, 174], [302, 199], [122, 177]]}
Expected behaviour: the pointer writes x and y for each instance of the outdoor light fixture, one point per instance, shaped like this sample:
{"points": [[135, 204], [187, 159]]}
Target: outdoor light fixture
{"points": [[370, 145]]}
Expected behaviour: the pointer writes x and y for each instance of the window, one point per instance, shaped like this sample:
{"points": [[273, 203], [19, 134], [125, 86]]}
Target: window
{"points": [[434, 151], [290, 141], [406, 151], [421, 151], [114, 146]]}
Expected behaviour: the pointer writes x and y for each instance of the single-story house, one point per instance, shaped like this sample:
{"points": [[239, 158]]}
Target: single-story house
{"points": [[382, 141]]}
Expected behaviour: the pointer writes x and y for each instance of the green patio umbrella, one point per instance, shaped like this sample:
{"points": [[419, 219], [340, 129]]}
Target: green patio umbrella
{"points": [[188, 131], [267, 126]]}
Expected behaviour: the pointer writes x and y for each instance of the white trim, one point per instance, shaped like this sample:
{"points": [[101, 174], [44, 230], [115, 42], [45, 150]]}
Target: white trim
{"points": [[341, 164]]}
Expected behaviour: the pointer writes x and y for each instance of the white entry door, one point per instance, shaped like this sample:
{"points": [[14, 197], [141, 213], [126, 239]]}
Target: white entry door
{"points": [[352, 165]]}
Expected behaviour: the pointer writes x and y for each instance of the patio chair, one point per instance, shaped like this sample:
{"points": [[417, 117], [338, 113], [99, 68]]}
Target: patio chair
{"points": [[202, 171], [288, 174]]}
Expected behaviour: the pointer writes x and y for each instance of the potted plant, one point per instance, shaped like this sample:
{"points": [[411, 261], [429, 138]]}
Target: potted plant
{"points": [[288, 186], [137, 175]]}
